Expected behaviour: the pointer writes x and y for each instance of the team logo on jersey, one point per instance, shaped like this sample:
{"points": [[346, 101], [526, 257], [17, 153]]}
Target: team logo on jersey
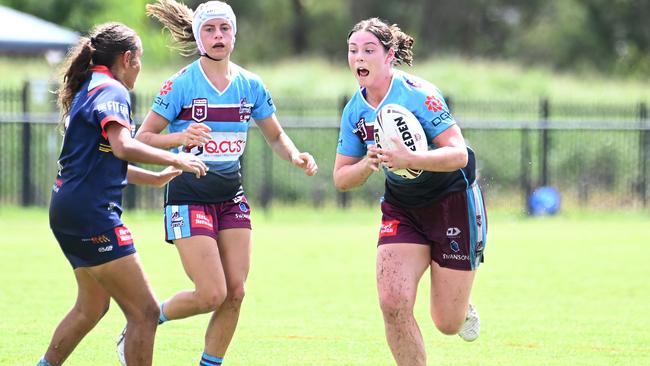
{"points": [[363, 130], [244, 110], [243, 207], [199, 109], [433, 103], [166, 87]]}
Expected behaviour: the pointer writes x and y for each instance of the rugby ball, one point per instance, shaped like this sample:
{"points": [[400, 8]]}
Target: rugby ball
{"points": [[395, 120]]}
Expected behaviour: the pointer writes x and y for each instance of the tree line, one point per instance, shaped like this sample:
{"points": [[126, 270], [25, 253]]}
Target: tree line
{"points": [[608, 36]]}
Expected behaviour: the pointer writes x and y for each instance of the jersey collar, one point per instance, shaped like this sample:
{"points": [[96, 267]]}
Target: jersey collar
{"points": [[102, 70]]}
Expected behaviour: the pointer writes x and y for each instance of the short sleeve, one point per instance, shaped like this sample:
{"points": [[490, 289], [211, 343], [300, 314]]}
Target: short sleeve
{"points": [[433, 112], [112, 104], [168, 101], [353, 135], [264, 106]]}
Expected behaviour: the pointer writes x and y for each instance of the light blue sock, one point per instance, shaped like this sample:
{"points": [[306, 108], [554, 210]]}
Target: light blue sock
{"points": [[209, 360], [43, 362], [162, 317]]}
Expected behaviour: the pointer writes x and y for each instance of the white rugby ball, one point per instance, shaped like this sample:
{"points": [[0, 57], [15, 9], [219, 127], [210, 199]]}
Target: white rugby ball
{"points": [[395, 120]]}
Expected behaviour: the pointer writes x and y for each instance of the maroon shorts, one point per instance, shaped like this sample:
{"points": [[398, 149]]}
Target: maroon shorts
{"points": [[455, 228], [183, 221]]}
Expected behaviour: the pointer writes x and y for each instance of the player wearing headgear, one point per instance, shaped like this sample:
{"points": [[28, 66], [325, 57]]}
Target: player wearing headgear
{"points": [[85, 208], [436, 221], [207, 108]]}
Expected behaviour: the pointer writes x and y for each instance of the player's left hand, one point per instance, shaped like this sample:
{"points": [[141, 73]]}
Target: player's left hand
{"points": [[397, 158], [306, 162]]}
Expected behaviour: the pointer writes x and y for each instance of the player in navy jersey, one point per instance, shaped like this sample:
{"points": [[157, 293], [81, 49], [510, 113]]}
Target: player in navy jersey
{"points": [[436, 221], [207, 108], [86, 200]]}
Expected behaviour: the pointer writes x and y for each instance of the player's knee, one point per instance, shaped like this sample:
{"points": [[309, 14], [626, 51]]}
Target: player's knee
{"points": [[92, 313], [395, 305], [145, 313], [236, 296], [210, 300], [447, 326]]}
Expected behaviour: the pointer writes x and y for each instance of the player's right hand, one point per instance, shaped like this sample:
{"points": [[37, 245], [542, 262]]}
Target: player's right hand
{"points": [[196, 134], [191, 163]]}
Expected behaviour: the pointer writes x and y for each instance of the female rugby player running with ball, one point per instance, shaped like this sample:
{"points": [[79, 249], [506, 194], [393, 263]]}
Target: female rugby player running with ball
{"points": [[435, 221]]}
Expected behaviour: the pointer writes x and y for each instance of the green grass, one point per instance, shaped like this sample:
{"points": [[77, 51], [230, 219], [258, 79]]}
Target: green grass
{"points": [[568, 290]]}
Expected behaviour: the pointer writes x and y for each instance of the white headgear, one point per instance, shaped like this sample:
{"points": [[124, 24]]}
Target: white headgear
{"points": [[211, 10]]}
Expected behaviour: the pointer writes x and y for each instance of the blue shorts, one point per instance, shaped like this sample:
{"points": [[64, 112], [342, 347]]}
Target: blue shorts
{"points": [[183, 221], [455, 228], [98, 249]]}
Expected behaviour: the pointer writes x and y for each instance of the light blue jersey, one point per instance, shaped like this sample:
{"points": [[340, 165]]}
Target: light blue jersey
{"points": [[426, 102], [188, 97]]}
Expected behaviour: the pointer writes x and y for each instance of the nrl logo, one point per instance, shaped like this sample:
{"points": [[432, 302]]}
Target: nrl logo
{"points": [[199, 109]]}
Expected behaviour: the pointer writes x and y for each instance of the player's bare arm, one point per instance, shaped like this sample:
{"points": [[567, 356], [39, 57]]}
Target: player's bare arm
{"points": [[281, 143], [196, 134]]}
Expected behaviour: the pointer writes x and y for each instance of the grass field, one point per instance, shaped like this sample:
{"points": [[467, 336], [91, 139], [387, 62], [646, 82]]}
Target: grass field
{"points": [[569, 290]]}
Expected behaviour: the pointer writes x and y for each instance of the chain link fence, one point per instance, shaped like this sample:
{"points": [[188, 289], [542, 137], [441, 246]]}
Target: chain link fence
{"points": [[596, 155]]}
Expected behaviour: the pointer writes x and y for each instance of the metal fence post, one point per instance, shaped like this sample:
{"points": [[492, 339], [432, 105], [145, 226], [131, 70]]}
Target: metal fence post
{"points": [[342, 197], [27, 196], [525, 167], [544, 117], [644, 146]]}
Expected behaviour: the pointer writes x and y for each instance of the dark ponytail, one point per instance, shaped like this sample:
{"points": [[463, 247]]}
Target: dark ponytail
{"points": [[76, 70], [105, 43]]}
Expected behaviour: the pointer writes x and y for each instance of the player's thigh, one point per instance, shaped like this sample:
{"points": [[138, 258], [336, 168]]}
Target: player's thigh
{"points": [[125, 281], [399, 269], [92, 299], [235, 247], [202, 262], [450, 290]]}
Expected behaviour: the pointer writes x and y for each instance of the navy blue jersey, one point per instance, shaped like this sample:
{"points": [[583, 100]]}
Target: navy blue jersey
{"points": [[426, 102], [87, 195], [189, 97]]}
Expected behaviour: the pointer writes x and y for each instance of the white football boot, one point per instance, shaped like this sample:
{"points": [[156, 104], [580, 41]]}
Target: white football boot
{"points": [[120, 347], [472, 326]]}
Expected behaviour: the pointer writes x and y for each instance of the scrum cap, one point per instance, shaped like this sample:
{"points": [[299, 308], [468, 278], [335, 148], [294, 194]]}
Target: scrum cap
{"points": [[211, 10]]}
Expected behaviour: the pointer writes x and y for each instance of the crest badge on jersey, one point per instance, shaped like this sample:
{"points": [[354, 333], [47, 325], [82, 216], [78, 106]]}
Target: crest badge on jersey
{"points": [[364, 130], [244, 110], [199, 109]]}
